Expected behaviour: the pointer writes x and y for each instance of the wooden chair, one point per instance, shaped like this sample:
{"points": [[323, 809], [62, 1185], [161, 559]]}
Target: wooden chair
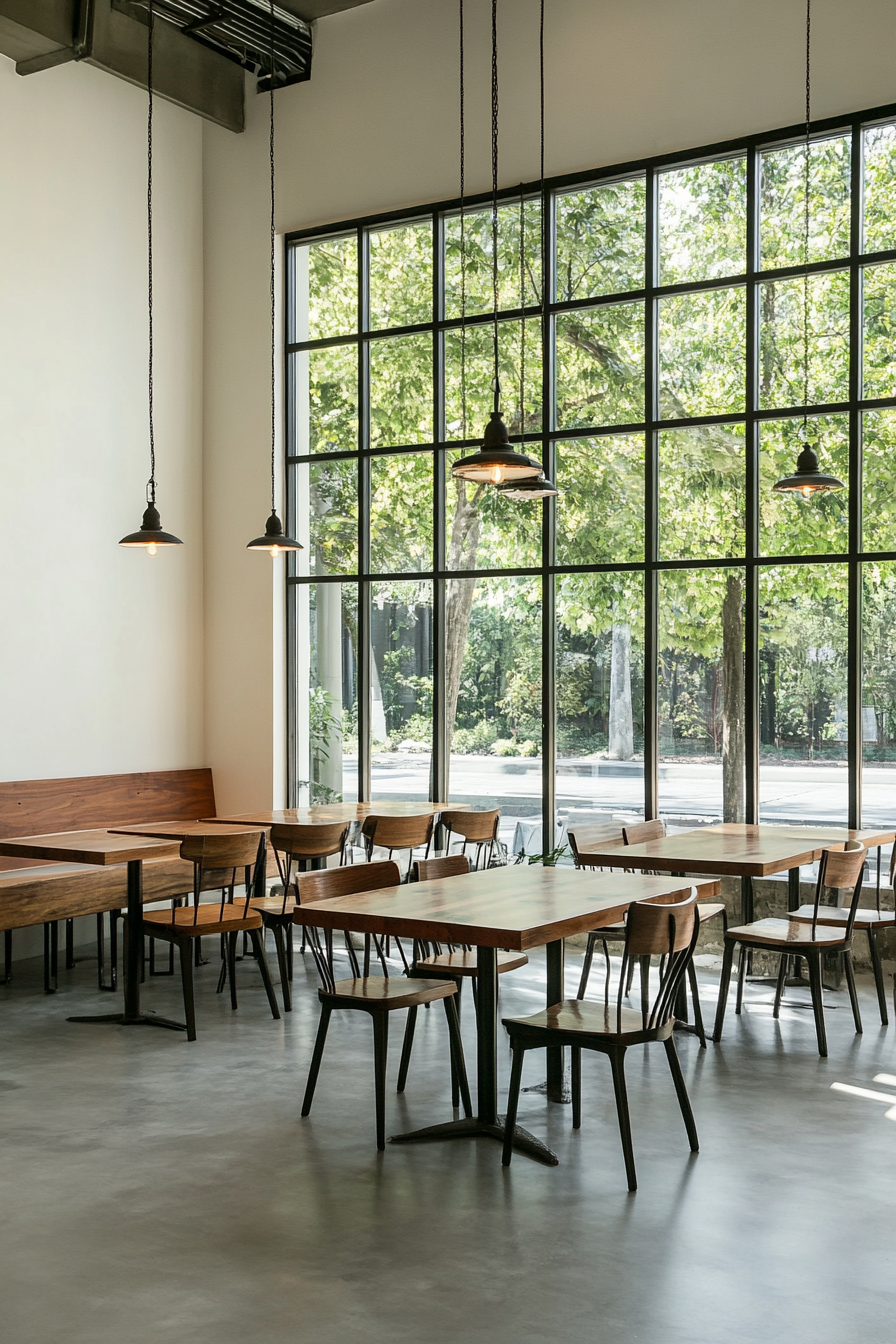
{"points": [[474, 828], [872, 922], [451, 962], [295, 846], [397, 833], [838, 870], [216, 860], [640, 831], [378, 996], [579, 840], [669, 931]]}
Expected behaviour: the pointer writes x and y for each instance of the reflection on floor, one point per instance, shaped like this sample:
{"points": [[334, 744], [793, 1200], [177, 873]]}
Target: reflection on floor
{"points": [[161, 1191]]}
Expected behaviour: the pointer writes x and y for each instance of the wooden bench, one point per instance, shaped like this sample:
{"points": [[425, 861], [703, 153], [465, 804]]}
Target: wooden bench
{"points": [[33, 893]]}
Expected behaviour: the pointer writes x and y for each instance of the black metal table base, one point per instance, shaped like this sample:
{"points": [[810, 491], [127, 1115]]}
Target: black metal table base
{"points": [[523, 1141], [141, 1020]]}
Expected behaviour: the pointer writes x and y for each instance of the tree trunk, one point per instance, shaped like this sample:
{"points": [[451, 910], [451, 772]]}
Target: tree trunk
{"points": [[329, 672], [733, 701], [620, 735], [462, 547]]}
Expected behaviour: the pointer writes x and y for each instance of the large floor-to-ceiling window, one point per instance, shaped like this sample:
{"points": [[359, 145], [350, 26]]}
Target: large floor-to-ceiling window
{"points": [[668, 636]]}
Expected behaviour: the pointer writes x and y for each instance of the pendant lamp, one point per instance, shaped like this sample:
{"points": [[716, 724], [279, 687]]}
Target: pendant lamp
{"points": [[150, 534], [274, 540], [495, 461], [807, 479]]}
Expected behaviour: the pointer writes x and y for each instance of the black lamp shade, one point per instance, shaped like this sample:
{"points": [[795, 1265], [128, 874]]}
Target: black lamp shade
{"points": [[496, 461], [274, 540], [151, 534], [538, 488], [807, 479]]}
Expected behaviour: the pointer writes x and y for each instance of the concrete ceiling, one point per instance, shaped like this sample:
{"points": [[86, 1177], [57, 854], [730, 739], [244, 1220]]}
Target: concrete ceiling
{"points": [[319, 9]]}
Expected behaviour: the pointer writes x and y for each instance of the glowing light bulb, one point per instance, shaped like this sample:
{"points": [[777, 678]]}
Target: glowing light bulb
{"points": [[806, 491], [151, 548], [275, 551], [496, 475]]}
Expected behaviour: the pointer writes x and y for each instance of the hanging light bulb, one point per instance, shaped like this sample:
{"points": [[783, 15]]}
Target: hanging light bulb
{"points": [[807, 480], [150, 534], [275, 541]]}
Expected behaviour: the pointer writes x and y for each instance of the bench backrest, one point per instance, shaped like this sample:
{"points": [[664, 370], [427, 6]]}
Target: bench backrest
{"points": [[44, 806]]}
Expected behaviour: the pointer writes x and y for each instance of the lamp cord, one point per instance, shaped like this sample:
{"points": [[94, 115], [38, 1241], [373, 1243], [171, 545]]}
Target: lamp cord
{"points": [[495, 191], [806, 217], [273, 295], [151, 484], [463, 242]]}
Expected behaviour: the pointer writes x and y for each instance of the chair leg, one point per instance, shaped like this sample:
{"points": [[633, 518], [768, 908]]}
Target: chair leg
{"points": [[380, 1047], [851, 986], [283, 964], [459, 1067], [814, 962], [289, 947], [779, 988], [742, 965], [630, 977], [406, 1047], [695, 1000], [319, 1043], [513, 1101], [186, 975], [576, 1085], [878, 978], [617, 1063], [724, 984], [258, 950], [681, 1092], [586, 966], [230, 940], [644, 977]]}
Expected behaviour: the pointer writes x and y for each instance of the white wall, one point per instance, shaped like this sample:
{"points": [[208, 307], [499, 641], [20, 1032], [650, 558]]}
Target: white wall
{"points": [[376, 128], [101, 669]]}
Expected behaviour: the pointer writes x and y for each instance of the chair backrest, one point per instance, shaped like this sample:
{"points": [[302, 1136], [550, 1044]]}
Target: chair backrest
{"points": [[669, 932], [393, 833], [296, 843], [449, 865], [216, 858], [840, 870], [328, 883], [477, 827], [585, 838], [643, 830]]}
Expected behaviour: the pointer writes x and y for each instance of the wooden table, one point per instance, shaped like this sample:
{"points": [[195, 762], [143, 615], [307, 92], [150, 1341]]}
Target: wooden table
{"points": [[325, 812], [104, 848], [180, 830], [516, 908]]}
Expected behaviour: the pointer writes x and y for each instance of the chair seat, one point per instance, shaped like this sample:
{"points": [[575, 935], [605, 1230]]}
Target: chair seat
{"points": [[273, 905], [709, 910], [610, 931], [834, 916], [786, 933], [586, 1018], [464, 963], [378, 992], [207, 920]]}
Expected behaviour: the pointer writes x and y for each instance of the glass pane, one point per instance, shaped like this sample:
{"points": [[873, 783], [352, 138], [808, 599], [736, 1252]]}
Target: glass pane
{"points": [[326, 400], [493, 692], [600, 366], [327, 711], [401, 276], [790, 524], [783, 203], [878, 691], [401, 507], [487, 530], [879, 342], [703, 221], [519, 357], [600, 698], [701, 696], [401, 690], [802, 684], [880, 188], [781, 351], [476, 274], [327, 516], [600, 513], [401, 391], [702, 353], [879, 500], [600, 240], [701, 492], [326, 288]]}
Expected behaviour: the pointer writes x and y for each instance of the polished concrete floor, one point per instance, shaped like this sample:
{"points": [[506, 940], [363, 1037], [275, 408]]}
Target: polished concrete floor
{"points": [[155, 1190]]}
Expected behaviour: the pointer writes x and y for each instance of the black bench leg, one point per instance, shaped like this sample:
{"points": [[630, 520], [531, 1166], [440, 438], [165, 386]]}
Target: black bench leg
{"points": [[51, 956], [7, 956], [69, 944]]}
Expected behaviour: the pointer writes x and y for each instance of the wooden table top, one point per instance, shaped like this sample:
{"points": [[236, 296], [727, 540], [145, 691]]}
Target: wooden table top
{"points": [[733, 849], [180, 830], [325, 812], [97, 847], [515, 907]]}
